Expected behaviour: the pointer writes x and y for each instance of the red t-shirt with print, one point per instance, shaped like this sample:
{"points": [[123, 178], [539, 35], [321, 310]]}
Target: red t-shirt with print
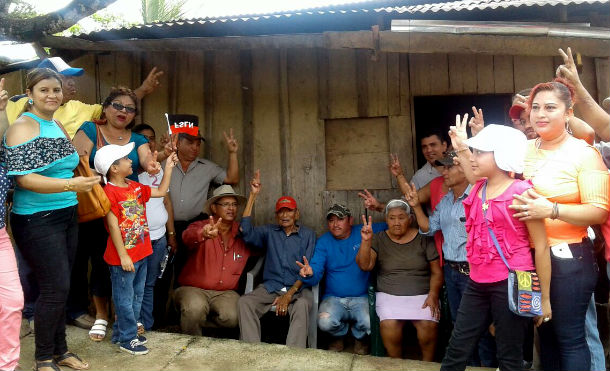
{"points": [[129, 206]]}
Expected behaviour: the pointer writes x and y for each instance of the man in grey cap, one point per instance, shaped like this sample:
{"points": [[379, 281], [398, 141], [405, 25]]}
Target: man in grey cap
{"points": [[345, 298]]}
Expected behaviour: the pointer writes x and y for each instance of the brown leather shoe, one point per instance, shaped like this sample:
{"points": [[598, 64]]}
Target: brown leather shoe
{"points": [[336, 345], [361, 347]]}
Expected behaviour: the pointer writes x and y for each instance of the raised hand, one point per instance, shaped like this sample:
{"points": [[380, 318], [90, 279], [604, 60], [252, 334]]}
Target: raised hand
{"points": [[153, 166], [151, 82], [171, 161], [231, 141], [255, 183], [367, 229], [211, 230], [395, 167], [477, 122], [568, 69], [412, 196], [370, 202], [306, 269], [170, 144], [457, 133], [3, 95]]}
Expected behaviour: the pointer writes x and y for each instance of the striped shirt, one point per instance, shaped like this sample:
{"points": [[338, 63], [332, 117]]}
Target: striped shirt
{"points": [[449, 217]]}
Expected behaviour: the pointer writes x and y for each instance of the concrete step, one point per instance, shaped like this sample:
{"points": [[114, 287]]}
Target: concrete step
{"points": [[170, 351]]}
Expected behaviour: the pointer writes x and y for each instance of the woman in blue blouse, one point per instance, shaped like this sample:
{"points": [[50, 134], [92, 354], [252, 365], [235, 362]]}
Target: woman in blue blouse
{"points": [[119, 111], [42, 159]]}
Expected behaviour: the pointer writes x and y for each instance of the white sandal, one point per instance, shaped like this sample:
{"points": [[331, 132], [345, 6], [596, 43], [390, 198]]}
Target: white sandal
{"points": [[98, 328]]}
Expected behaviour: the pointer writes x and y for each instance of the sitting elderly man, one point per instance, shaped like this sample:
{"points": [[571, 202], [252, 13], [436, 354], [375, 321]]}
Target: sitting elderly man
{"points": [[286, 242], [217, 257], [346, 295]]}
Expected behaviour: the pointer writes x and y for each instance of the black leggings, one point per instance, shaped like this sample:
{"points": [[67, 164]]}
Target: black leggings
{"points": [[48, 241]]}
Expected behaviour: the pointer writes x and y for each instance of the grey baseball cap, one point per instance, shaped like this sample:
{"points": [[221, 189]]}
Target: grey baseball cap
{"points": [[341, 211]]}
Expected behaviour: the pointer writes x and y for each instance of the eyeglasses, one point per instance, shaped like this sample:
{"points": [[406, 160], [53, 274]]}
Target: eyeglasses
{"points": [[227, 204], [120, 107]]}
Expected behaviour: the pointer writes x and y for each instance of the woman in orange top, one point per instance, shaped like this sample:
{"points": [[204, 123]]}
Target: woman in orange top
{"points": [[570, 193]]}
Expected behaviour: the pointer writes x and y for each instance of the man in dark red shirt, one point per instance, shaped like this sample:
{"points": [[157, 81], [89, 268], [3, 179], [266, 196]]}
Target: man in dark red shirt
{"points": [[217, 257]]}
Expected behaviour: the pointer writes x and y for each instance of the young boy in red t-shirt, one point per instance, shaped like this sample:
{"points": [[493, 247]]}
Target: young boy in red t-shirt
{"points": [[129, 241]]}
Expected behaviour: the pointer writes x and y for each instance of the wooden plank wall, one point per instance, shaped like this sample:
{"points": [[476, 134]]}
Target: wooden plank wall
{"points": [[277, 101]]}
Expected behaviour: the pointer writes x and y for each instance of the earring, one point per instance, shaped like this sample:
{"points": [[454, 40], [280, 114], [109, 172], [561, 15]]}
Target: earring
{"points": [[568, 129], [30, 101]]}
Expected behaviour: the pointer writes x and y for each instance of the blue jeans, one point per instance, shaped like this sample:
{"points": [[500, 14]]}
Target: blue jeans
{"points": [[456, 283], [598, 359], [127, 292], [153, 270], [563, 341], [335, 315]]}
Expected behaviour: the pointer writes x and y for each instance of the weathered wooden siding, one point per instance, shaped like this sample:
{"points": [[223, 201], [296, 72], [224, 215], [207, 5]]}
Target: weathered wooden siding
{"points": [[277, 102]]}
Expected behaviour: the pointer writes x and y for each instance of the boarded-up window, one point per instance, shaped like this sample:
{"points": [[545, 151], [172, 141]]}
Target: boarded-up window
{"points": [[357, 154]]}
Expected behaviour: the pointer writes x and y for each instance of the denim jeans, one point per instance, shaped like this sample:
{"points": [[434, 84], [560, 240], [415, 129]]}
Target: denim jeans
{"points": [[598, 358], [456, 284], [563, 342], [127, 293], [48, 241], [481, 304], [335, 315], [153, 269]]}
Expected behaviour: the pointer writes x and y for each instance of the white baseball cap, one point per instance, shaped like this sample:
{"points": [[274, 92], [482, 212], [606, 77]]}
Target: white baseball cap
{"points": [[508, 145], [108, 154], [57, 64]]}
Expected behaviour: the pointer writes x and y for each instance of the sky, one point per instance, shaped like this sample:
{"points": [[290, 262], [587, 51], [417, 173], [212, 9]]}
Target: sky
{"points": [[130, 9]]}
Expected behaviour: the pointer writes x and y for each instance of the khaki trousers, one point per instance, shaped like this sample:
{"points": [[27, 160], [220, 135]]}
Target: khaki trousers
{"points": [[254, 305], [195, 304]]}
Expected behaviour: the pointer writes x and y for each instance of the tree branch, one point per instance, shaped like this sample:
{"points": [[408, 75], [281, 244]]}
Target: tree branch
{"points": [[32, 29]]}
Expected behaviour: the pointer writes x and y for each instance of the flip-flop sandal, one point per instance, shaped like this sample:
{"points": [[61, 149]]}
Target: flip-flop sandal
{"points": [[98, 328], [62, 361], [50, 364]]}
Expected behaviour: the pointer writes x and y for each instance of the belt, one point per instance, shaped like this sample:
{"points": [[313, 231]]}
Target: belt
{"points": [[461, 267]]}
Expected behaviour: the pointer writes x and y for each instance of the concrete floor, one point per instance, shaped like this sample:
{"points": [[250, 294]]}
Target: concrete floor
{"points": [[170, 351]]}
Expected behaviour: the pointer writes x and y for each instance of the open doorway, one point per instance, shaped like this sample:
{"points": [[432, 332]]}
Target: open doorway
{"points": [[438, 112]]}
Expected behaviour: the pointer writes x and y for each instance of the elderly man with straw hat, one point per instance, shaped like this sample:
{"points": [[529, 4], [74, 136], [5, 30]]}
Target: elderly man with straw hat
{"points": [[216, 260]]}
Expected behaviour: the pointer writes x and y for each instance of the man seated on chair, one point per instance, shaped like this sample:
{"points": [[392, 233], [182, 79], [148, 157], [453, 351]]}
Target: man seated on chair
{"points": [[286, 242], [345, 298], [217, 257]]}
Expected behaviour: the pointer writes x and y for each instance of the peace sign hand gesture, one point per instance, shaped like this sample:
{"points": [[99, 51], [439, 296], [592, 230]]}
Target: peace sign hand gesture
{"points": [[231, 141], [568, 69], [367, 229], [458, 132], [211, 230], [477, 123], [395, 167], [306, 270], [412, 196]]}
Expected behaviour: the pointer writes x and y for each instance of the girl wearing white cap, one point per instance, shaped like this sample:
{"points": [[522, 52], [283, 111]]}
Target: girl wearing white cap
{"points": [[498, 151]]}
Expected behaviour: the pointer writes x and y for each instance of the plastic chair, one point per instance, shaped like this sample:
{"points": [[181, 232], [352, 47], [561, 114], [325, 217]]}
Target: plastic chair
{"points": [[312, 331]]}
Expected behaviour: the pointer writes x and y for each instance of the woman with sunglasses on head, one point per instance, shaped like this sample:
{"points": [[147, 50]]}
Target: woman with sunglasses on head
{"points": [[41, 158], [118, 112]]}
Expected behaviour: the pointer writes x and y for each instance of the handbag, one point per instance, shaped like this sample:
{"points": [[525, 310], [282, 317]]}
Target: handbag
{"points": [[93, 204], [524, 292]]}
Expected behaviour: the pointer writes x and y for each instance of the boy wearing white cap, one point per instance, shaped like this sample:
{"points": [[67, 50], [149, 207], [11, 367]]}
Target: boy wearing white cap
{"points": [[129, 241]]}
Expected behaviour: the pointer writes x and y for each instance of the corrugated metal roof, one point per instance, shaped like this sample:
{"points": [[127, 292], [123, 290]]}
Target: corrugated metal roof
{"points": [[363, 8], [483, 5]]}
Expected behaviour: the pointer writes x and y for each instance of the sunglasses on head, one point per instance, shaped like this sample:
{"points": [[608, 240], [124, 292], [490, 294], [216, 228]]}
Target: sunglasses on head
{"points": [[120, 107]]}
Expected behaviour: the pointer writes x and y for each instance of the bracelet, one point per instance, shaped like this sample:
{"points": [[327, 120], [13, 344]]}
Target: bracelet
{"points": [[68, 186], [555, 212], [171, 233]]}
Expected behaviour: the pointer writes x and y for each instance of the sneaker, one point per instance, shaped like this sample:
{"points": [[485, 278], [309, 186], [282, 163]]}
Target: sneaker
{"points": [[361, 347], [142, 340], [336, 345], [134, 347]]}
